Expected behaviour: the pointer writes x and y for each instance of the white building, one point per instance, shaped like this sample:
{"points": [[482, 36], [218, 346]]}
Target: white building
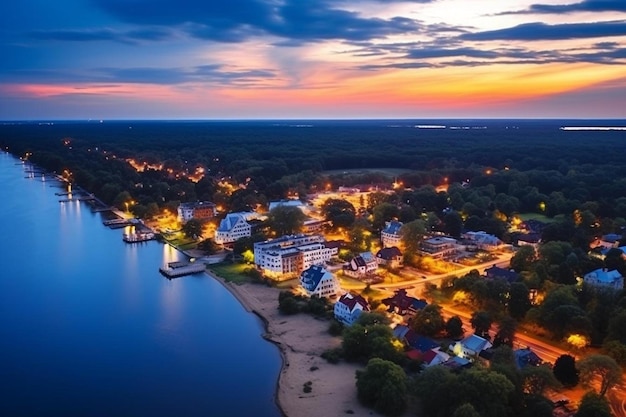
{"points": [[439, 247], [604, 278], [234, 226], [200, 210], [316, 280], [390, 235], [361, 265], [349, 307], [290, 255], [483, 240]]}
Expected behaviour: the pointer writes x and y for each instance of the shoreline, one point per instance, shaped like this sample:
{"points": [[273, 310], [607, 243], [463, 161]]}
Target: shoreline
{"points": [[301, 339]]}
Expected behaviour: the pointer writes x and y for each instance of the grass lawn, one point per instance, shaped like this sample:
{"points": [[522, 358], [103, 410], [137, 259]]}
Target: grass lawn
{"points": [[232, 272]]}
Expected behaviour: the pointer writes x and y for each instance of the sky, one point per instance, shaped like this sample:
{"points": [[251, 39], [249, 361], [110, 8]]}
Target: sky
{"points": [[290, 59]]}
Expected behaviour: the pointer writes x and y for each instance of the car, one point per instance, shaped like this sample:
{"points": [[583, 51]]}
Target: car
{"points": [[424, 277]]}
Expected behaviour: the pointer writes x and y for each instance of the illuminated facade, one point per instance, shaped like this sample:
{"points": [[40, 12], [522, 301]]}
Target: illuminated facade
{"points": [[290, 255], [200, 210], [234, 226], [317, 281], [390, 235]]}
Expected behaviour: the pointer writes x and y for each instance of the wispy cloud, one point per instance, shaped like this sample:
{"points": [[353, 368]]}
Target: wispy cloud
{"points": [[542, 31], [583, 6]]}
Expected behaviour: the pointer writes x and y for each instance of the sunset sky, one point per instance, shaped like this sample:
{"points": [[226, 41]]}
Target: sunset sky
{"points": [[248, 59]]}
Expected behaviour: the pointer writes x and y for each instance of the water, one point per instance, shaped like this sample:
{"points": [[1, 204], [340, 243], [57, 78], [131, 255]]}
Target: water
{"points": [[90, 327]]}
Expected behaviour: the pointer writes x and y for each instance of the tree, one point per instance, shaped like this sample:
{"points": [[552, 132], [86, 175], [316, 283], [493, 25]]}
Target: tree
{"points": [[593, 405], [536, 379], [603, 367], [519, 301], [193, 228], [432, 387], [382, 213], [285, 220], [412, 234], [523, 259], [486, 390], [565, 371], [465, 410], [428, 321], [453, 224], [617, 327], [454, 327], [616, 350], [481, 323], [506, 332], [383, 386], [339, 212]]}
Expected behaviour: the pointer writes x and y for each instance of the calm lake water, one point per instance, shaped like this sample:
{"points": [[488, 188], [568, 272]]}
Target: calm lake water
{"points": [[91, 328]]}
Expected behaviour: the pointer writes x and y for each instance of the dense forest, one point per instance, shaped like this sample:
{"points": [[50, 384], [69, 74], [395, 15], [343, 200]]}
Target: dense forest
{"points": [[471, 175]]}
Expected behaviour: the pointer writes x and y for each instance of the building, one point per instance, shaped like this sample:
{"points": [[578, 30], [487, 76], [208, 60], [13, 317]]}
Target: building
{"points": [[234, 226], [439, 247], [402, 303], [349, 307], [288, 203], [495, 272], [390, 235], [482, 240], [290, 255], [390, 257], [317, 281], [200, 210], [471, 346], [362, 265], [605, 278]]}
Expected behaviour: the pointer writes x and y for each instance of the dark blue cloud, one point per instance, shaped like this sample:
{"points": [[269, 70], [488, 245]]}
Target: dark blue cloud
{"points": [[583, 6], [215, 73], [90, 35], [541, 31], [237, 20], [442, 53]]}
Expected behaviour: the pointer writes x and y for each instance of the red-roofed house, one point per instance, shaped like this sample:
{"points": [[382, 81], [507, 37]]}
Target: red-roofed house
{"points": [[349, 307]]}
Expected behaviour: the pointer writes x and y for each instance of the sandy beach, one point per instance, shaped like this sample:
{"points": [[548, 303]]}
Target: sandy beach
{"points": [[302, 339]]}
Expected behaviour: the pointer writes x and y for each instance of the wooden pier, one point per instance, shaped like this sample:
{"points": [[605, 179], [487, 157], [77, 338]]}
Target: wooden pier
{"points": [[179, 269]]}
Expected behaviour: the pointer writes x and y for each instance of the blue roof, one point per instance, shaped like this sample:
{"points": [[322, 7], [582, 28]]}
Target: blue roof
{"points": [[400, 331], [524, 357], [229, 222], [421, 343], [419, 304], [393, 227], [312, 277], [475, 343]]}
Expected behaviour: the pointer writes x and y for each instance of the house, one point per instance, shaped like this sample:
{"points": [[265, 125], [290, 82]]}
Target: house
{"points": [[471, 346], [402, 303], [434, 357], [605, 278], [349, 307], [526, 357], [313, 226], [287, 203], [317, 281], [495, 272], [529, 239], [391, 257], [360, 266], [390, 235], [290, 255], [482, 240], [439, 247], [200, 210], [419, 342], [234, 226]]}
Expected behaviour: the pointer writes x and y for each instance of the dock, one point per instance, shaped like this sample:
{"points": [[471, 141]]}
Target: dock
{"points": [[138, 237], [179, 269]]}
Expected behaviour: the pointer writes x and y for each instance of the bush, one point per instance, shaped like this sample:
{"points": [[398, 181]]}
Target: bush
{"points": [[332, 355], [335, 328]]}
